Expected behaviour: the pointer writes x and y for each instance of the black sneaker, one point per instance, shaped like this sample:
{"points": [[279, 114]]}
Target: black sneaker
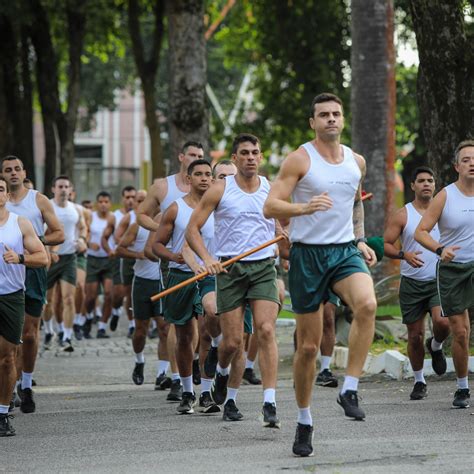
{"points": [[231, 412], [206, 405], [303, 445], [250, 377], [270, 418], [6, 429], [186, 407], [86, 329], [60, 338], [67, 346], [196, 372], [461, 398], [176, 391], [131, 330], [210, 363], [77, 331], [349, 401], [114, 322], [326, 379], [438, 359], [219, 388], [27, 403], [137, 375], [162, 382], [16, 398], [48, 339], [101, 334], [419, 391], [153, 333]]}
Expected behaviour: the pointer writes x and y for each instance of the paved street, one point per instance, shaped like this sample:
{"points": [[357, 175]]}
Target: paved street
{"points": [[90, 417]]}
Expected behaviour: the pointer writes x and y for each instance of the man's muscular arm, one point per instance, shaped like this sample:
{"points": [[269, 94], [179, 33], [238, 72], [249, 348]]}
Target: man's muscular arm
{"points": [[151, 205], [55, 231], [108, 231]]}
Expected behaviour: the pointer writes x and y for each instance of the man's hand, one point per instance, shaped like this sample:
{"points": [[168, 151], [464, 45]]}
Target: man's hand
{"points": [[449, 253], [141, 256], [54, 257], [10, 256], [178, 258], [214, 267], [413, 260], [94, 246], [368, 254], [322, 202], [81, 245]]}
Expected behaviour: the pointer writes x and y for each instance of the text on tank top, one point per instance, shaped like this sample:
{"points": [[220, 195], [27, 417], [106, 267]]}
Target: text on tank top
{"points": [[68, 216], [144, 268], [96, 230], [28, 208], [409, 244], [12, 277], [456, 224], [341, 181], [172, 194], [239, 221], [177, 239]]}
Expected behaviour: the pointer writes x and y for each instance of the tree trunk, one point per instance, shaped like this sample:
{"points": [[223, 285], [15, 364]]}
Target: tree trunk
{"points": [[188, 115], [445, 89]]}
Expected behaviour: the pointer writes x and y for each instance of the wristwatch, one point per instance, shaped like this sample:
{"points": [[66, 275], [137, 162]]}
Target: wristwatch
{"points": [[361, 239], [401, 255], [439, 250], [21, 259]]}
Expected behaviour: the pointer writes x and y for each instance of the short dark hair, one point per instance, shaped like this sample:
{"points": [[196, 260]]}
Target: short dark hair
{"points": [[128, 189], [28, 181], [222, 162], [103, 194], [242, 138], [86, 202], [61, 176], [421, 169], [12, 158], [191, 143], [463, 144], [5, 181], [324, 97], [197, 163]]}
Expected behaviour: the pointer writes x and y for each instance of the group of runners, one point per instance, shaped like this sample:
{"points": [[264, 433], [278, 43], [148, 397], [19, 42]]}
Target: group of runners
{"points": [[210, 331]]}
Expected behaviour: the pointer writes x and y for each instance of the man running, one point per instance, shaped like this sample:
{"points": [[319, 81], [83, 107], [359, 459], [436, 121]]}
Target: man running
{"points": [[237, 203], [37, 208], [323, 179], [453, 210], [16, 236], [418, 289]]}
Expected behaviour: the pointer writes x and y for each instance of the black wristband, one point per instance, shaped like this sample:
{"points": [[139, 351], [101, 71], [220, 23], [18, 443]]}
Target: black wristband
{"points": [[401, 255], [361, 239], [21, 259], [439, 250], [41, 237]]}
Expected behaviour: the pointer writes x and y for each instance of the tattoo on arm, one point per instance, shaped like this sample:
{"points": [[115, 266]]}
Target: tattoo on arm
{"points": [[358, 219]]}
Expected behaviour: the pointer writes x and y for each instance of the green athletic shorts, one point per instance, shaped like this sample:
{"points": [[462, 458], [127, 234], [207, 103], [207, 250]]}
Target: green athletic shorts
{"points": [[81, 261], [417, 298], [315, 268], [12, 316], [142, 290], [126, 270], [64, 269], [206, 285], [35, 294], [184, 304], [116, 277], [455, 287], [244, 281], [99, 269], [248, 326]]}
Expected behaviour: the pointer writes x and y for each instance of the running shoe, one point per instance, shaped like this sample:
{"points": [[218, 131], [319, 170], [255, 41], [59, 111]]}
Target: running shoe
{"points": [[349, 401], [6, 429], [77, 331], [461, 398], [176, 391], [219, 388], [186, 407], [60, 338], [231, 412], [86, 329], [114, 322], [210, 363], [419, 391], [131, 330], [137, 375], [206, 405], [270, 418], [162, 382], [48, 339], [196, 372], [27, 404], [67, 346], [326, 379], [438, 359], [153, 333], [303, 445], [101, 334], [250, 377]]}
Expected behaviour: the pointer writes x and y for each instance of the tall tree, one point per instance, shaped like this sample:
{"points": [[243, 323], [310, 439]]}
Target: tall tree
{"points": [[188, 115], [373, 103], [445, 88]]}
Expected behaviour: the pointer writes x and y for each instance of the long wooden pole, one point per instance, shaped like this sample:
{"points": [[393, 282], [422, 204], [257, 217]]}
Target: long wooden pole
{"points": [[199, 276]]}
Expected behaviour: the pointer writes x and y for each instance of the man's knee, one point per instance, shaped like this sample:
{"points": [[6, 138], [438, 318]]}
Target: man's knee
{"points": [[308, 349], [365, 308]]}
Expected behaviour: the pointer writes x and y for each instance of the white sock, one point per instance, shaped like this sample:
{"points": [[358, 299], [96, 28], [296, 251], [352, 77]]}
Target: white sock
{"points": [[98, 311], [175, 376], [221, 370], [139, 357], [77, 318], [26, 380], [216, 341], [196, 356], [325, 362], [90, 316], [102, 325], [462, 382], [304, 416], [187, 383], [435, 345], [4, 409], [60, 327], [131, 324], [153, 324], [249, 364], [48, 326], [231, 394], [82, 320], [162, 367], [206, 385], [419, 377], [350, 383], [67, 334], [116, 312], [269, 395]]}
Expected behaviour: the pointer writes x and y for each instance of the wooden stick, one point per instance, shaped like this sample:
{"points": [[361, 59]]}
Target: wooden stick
{"points": [[367, 196], [205, 274]]}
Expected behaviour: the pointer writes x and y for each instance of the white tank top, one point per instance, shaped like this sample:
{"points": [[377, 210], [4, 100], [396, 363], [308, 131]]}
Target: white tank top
{"points": [[239, 221], [133, 217], [409, 244], [177, 239], [456, 224], [68, 216], [144, 268], [96, 230], [341, 181], [173, 193], [119, 215], [12, 277], [28, 208]]}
